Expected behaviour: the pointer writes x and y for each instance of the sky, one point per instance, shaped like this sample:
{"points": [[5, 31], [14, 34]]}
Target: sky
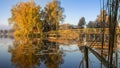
{"points": [[73, 9]]}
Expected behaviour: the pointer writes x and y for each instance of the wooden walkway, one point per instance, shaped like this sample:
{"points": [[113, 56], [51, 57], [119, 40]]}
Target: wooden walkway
{"points": [[98, 56]]}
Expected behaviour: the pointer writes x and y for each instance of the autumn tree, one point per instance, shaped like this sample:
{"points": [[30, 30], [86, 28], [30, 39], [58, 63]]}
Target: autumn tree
{"points": [[25, 17], [81, 22], [45, 24], [53, 14], [103, 19], [23, 52]]}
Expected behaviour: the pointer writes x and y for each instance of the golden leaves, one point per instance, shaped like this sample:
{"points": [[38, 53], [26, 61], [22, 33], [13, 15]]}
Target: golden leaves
{"points": [[54, 13], [26, 15]]}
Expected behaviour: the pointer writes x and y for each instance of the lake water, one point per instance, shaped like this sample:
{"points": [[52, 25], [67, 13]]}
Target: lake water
{"points": [[38, 53]]}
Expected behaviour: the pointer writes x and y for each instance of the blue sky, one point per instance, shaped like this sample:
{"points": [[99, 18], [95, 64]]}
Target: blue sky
{"points": [[74, 9]]}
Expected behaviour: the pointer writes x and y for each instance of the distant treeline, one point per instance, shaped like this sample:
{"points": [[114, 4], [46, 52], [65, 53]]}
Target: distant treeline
{"points": [[100, 22], [6, 31]]}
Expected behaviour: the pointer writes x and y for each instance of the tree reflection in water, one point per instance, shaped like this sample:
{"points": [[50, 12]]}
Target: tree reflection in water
{"points": [[31, 52], [39, 53]]}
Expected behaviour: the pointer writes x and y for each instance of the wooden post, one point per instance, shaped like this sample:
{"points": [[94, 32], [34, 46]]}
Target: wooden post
{"points": [[86, 57]]}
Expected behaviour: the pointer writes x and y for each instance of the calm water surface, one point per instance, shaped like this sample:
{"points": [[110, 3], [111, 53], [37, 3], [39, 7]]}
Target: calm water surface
{"points": [[38, 53]]}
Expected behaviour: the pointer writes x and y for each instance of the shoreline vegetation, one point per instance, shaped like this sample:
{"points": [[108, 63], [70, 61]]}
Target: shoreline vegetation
{"points": [[30, 20]]}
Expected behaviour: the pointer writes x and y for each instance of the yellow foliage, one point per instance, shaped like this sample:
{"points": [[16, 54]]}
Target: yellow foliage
{"points": [[54, 13], [25, 16]]}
